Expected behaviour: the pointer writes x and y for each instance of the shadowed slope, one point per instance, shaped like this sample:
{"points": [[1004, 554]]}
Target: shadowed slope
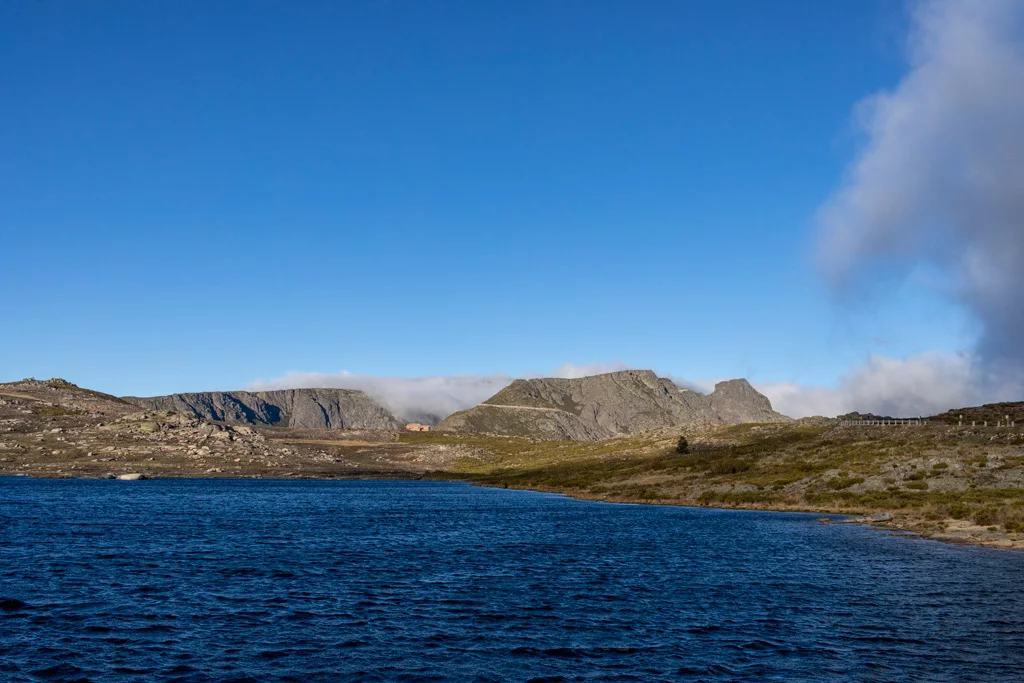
{"points": [[303, 408]]}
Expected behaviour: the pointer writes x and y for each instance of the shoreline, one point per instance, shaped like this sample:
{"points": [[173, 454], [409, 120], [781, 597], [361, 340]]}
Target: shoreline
{"points": [[939, 481], [860, 517]]}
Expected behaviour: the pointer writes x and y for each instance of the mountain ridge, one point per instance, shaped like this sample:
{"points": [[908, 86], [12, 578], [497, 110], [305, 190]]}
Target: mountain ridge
{"points": [[601, 406], [944, 478], [314, 408]]}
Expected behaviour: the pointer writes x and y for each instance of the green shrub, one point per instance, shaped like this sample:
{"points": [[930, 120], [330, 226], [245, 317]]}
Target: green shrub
{"points": [[682, 446], [940, 466], [986, 516], [714, 463], [917, 485], [959, 511], [915, 476], [56, 411], [740, 498], [641, 492], [728, 466], [838, 483]]}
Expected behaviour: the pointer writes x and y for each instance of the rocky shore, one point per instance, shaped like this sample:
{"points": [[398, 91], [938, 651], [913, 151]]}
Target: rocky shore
{"points": [[942, 480]]}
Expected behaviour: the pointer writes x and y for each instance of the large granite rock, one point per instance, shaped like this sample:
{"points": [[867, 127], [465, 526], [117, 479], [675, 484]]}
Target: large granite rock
{"points": [[602, 406], [736, 402], [305, 408]]}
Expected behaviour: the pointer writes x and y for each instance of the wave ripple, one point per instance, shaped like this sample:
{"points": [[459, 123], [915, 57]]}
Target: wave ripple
{"points": [[196, 581]]}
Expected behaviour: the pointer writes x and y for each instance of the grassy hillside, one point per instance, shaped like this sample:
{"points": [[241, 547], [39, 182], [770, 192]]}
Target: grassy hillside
{"points": [[992, 413], [958, 483], [939, 479]]}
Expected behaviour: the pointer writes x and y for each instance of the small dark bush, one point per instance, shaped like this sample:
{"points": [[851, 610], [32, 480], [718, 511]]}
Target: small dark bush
{"points": [[682, 446], [959, 511], [56, 411], [987, 516], [728, 466], [641, 492], [838, 483]]}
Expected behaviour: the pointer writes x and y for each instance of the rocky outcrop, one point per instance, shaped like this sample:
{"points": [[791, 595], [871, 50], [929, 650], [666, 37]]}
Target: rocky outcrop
{"points": [[539, 423], [736, 402], [602, 406], [303, 408]]}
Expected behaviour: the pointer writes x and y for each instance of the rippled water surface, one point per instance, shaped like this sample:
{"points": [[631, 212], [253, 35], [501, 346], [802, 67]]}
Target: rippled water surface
{"points": [[325, 581]]}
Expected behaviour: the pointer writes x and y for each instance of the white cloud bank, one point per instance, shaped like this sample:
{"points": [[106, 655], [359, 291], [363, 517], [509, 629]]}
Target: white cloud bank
{"points": [[423, 399], [940, 180], [921, 385], [941, 177], [926, 384], [417, 399]]}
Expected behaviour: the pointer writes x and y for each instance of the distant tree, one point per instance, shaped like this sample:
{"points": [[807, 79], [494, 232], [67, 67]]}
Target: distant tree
{"points": [[682, 446]]}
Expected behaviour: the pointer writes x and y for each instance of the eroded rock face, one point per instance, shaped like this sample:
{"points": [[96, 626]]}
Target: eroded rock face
{"points": [[602, 406], [539, 424], [736, 402], [300, 408]]}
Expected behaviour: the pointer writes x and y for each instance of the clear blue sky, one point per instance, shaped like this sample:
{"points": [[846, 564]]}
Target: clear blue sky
{"points": [[194, 195]]}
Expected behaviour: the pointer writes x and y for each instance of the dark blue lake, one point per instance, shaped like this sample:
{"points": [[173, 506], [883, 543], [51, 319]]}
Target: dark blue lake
{"points": [[332, 581]]}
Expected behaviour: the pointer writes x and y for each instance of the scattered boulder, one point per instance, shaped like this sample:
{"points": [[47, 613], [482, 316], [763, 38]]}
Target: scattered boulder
{"points": [[874, 517]]}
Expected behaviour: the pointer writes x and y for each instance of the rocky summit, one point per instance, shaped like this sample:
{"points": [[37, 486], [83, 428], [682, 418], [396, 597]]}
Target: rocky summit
{"points": [[603, 406], [299, 408]]}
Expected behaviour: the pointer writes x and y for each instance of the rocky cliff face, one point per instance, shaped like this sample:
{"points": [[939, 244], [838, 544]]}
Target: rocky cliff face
{"points": [[602, 406], [303, 408], [736, 402]]}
